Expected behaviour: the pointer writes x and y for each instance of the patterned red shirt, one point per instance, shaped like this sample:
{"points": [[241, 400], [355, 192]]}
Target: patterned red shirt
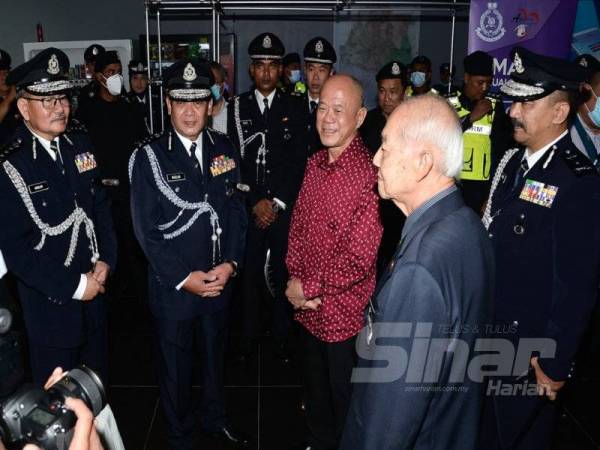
{"points": [[333, 241]]}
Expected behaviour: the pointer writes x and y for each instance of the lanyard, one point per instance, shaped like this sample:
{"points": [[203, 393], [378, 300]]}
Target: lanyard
{"points": [[589, 146]]}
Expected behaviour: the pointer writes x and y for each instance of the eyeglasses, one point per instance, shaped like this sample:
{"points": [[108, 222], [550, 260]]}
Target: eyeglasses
{"points": [[49, 103]]}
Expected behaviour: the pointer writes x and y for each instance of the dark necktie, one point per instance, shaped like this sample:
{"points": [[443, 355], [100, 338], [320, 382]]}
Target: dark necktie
{"points": [[57, 158], [313, 106], [523, 167], [193, 156], [266, 109]]}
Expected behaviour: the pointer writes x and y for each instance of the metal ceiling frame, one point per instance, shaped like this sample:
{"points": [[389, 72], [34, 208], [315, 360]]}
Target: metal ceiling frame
{"points": [[218, 8]]}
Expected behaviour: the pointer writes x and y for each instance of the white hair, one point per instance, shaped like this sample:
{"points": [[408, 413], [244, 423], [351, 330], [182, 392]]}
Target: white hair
{"points": [[434, 121]]}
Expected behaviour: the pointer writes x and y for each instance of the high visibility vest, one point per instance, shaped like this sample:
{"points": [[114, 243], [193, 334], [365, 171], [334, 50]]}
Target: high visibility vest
{"points": [[409, 92], [477, 145]]}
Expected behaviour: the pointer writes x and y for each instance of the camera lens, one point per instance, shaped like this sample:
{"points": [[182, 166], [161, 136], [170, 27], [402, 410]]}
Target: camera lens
{"points": [[82, 382]]}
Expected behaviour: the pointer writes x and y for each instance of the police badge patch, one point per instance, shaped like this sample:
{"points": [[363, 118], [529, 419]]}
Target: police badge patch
{"points": [[85, 161], [490, 24]]}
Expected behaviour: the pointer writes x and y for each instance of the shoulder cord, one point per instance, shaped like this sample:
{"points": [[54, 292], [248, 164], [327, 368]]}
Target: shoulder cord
{"points": [[75, 220], [261, 155], [199, 207], [487, 215]]}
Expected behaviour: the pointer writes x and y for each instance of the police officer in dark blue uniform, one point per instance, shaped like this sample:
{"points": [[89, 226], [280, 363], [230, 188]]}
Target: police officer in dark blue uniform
{"points": [[262, 124], [190, 221], [90, 90], [543, 218], [56, 234]]}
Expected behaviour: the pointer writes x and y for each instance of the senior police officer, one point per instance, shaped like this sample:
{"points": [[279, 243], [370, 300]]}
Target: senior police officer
{"points": [[56, 234], [262, 125], [543, 218], [487, 128], [190, 221]]}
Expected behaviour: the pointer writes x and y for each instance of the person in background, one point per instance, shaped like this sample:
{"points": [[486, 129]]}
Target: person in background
{"points": [[391, 85], [585, 130], [420, 77], [90, 90], [9, 115], [487, 128], [291, 80], [446, 84], [139, 93], [333, 243], [218, 117], [115, 126]]}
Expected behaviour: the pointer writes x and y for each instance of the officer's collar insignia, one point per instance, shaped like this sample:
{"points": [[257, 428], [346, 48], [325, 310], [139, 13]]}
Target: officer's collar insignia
{"points": [[140, 67], [95, 51], [319, 47], [53, 66], [518, 63], [267, 42], [189, 73], [583, 62], [395, 69]]}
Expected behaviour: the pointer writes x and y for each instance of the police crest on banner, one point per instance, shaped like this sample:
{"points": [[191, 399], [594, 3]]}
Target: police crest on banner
{"points": [[491, 24]]}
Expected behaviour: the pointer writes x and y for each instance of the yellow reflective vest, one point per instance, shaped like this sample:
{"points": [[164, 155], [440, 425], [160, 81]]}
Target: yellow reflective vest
{"points": [[477, 145]]}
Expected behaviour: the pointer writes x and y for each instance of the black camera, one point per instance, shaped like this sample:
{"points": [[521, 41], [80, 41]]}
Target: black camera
{"points": [[34, 415]]}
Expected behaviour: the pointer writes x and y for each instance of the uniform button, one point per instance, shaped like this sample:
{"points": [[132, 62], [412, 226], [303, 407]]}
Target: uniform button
{"points": [[522, 216], [268, 171], [515, 323], [490, 235], [519, 229]]}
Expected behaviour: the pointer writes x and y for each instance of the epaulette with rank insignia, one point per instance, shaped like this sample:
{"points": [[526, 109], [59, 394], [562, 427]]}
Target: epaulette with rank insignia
{"points": [[75, 126], [9, 149], [147, 140], [578, 163], [493, 96]]}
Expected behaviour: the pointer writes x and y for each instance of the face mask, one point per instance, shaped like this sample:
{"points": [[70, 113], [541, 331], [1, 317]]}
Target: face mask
{"points": [[114, 84], [216, 92], [295, 76], [417, 79], [594, 115]]}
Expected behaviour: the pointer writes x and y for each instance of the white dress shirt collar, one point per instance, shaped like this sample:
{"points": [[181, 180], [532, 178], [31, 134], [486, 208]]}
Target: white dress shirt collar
{"points": [[46, 144], [535, 157], [260, 99]]}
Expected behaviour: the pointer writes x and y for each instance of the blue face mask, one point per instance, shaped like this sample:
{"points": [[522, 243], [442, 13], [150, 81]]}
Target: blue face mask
{"points": [[216, 92], [594, 114], [295, 76], [418, 78]]}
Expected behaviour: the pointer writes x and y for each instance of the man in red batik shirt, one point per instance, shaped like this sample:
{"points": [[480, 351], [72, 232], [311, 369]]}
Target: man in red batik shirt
{"points": [[333, 242]]}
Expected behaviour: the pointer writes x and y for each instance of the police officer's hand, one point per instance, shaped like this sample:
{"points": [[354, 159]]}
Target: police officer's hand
{"points": [[264, 214], [92, 288], [482, 107], [545, 385], [101, 271], [223, 273], [201, 283]]}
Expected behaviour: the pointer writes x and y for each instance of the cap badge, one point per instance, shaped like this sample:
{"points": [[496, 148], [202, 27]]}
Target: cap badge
{"points": [[583, 62], [518, 63], [95, 51], [140, 67], [267, 42], [189, 73], [53, 66], [395, 69], [319, 47]]}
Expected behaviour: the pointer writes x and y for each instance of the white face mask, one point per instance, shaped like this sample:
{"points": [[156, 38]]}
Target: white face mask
{"points": [[114, 84]]}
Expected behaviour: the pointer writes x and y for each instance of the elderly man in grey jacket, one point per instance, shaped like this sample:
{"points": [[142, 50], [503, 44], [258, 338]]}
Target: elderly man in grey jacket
{"points": [[413, 388]]}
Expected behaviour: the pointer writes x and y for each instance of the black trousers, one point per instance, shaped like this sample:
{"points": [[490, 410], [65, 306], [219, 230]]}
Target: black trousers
{"points": [[93, 353], [327, 389], [257, 242], [176, 354]]}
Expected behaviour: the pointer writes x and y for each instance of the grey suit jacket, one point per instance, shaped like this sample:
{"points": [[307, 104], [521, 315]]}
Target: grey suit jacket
{"points": [[439, 285]]}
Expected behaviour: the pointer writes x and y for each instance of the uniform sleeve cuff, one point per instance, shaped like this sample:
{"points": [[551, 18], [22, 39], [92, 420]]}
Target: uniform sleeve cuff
{"points": [[180, 285], [78, 295], [281, 204]]}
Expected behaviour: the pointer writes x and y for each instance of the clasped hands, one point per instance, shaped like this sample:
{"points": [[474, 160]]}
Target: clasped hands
{"points": [[295, 295], [209, 284], [264, 216], [96, 280]]}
